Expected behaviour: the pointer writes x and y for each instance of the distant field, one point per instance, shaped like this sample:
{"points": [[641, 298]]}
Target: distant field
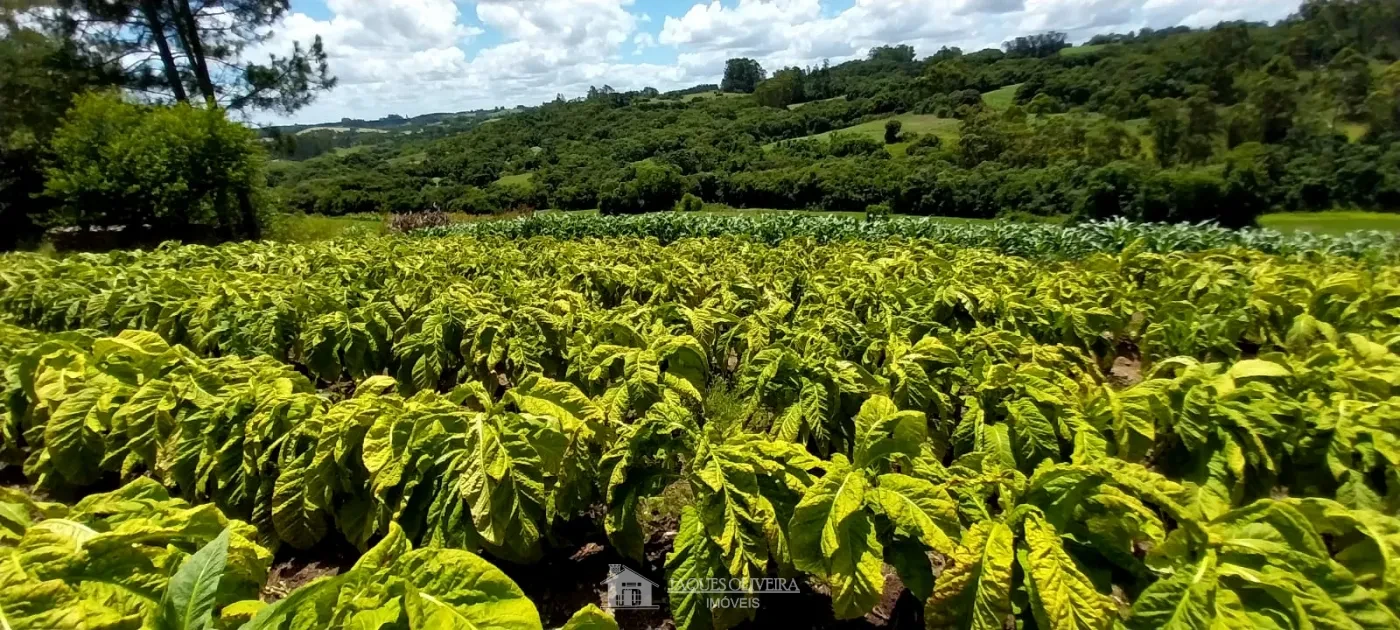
{"points": [[1355, 131], [342, 130], [944, 128], [737, 212], [1001, 99], [1081, 50], [1335, 222], [704, 95], [800, 105], [519, 179]]}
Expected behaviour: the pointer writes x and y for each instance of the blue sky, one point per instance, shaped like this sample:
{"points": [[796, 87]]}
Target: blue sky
{"points": [[412, 57]]}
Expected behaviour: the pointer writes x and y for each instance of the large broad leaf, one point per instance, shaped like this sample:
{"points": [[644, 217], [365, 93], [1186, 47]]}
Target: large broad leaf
{"points": [[465, 590], [1183, 601], [918, 509], [502, 482], [974, 590], [306, 602], [882, 431], [1063, 598], [694, 560], [295, 516], [832, 537], [73, 435], [189, 602], [591, 617], [1032, 434]]}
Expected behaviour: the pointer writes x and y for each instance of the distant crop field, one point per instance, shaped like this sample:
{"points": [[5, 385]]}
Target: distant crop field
{"points": [[1335, 222]]}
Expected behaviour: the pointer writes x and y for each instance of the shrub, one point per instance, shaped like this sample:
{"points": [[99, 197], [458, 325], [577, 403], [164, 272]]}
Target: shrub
{"points": [[177, 168], [877, 211], [689, 203], [892, 129]]}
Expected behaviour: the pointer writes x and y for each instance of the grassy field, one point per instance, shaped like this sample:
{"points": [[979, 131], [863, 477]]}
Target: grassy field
{"points": [[801, 105], [1001, 99], [1334, 222], [519, 179], [944, 128]]}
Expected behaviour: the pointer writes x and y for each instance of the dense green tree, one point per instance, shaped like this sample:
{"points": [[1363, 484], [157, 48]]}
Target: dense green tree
{"points": [[741, 75], [169, 167], [40, 74], [783, 89], [1168, 123], [892, 129], [1038, 45], [1275, 96], [1383, 105], [1043, 104], [949, 75], [1348, 82], [902, 53], [1202, 125]]}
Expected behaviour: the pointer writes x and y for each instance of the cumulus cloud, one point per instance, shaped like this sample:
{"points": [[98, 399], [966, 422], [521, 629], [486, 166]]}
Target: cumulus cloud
{"points": [[417, 56]]}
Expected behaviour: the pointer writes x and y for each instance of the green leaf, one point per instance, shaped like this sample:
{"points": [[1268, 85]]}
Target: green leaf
{"points": [[189, 602], [1063, 598], [974, 590], [918, 509], [694, 559], [462, 587], [591, 617], [73, 436], [882, 430], [304, 602], [296, 518], [1257, 368], [383, 553], [832, 537], [1184, 601], [504, 486], [1032, 434]]}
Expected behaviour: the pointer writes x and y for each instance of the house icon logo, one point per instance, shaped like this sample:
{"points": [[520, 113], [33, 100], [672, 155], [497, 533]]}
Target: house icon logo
{"points": [[628, 590]]}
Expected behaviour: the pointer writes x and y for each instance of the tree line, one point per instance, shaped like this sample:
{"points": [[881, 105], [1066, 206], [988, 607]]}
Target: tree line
{"points": [[1174, 124]]}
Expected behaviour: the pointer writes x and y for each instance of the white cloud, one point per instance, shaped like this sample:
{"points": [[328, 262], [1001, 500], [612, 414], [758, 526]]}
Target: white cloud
{"points": [[643, 42], [795, 32], [411, 56]]}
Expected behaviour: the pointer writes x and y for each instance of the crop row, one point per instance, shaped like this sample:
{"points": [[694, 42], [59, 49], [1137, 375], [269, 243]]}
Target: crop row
{"points": [[988, 451], [1022, 239], [138, 558], [438, 312]]}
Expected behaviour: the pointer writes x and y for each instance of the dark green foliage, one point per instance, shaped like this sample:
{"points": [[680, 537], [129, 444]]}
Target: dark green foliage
{"points": [[120, 164], [741, 75], [690, 203], [892, 129], [649, 187], [785, 88], [1152, 125]]}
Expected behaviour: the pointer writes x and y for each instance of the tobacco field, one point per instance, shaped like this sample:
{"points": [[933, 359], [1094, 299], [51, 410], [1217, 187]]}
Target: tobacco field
{"points": [[922, 434]]}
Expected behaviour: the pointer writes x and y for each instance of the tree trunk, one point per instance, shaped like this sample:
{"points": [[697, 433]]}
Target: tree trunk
{"points": [[151, 10], [248, 216], [188, 30]]}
